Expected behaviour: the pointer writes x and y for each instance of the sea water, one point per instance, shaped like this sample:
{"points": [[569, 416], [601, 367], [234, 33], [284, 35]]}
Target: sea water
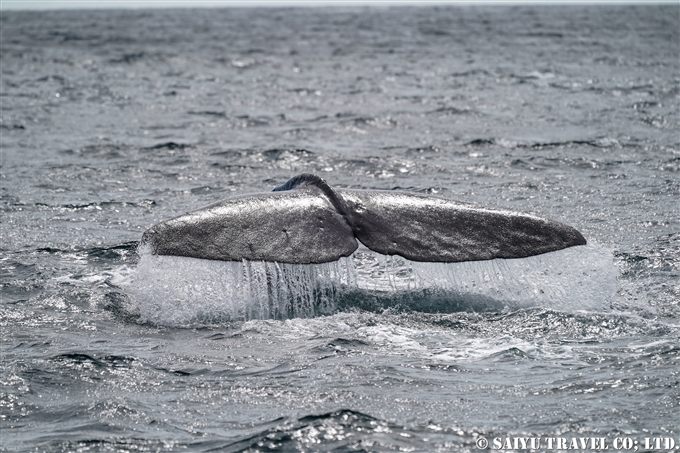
{"points": [[113, 121]]}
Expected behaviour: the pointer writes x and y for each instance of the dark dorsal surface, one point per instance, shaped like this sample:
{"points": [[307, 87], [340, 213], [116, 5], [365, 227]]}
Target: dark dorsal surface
{"points": [[424, 228], [306, 221], [299, 226], [308, 180]]}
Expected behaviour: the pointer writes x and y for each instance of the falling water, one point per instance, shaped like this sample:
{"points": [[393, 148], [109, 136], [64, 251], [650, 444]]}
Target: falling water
{"points": [[180, 291], [177, 291]]}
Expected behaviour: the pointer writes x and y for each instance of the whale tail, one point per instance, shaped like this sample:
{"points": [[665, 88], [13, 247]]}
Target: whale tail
{"points": [[306, 221]]}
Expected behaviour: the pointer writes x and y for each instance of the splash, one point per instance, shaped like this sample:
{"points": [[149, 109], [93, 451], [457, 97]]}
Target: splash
{"points": [[179, 291], [576, 278]]}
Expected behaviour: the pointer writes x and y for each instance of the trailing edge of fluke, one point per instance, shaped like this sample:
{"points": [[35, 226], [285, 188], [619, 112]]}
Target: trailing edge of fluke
{"points": [[306, 221]]}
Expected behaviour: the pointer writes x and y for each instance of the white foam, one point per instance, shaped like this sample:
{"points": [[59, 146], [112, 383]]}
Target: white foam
{"points": [[179, 291], [439, 345]]}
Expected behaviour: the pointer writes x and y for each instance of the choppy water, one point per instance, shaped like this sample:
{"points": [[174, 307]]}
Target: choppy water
{"points": [[115, 120]]}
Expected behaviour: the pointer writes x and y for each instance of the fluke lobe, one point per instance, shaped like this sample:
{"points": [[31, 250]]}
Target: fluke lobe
{"points": [[306, 221]]}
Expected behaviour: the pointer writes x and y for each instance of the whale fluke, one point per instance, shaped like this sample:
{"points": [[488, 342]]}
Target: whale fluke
{"points": [[299, 226], [306, 221]]}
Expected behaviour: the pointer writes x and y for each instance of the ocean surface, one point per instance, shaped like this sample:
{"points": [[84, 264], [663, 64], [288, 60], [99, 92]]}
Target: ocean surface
{"points": [[112, 121]]}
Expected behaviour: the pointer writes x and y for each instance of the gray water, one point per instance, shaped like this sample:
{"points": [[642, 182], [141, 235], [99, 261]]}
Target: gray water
{"points": [[115, 120]]}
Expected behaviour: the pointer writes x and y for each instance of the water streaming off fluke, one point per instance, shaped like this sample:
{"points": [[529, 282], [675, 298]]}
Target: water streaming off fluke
{"points": [[180, 291]]}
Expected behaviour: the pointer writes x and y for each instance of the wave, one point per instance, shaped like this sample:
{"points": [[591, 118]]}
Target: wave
{"points": [[342, 430]]}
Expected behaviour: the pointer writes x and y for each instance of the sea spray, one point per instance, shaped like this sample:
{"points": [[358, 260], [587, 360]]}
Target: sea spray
{"points": [[576, 278], [180, 291]]}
